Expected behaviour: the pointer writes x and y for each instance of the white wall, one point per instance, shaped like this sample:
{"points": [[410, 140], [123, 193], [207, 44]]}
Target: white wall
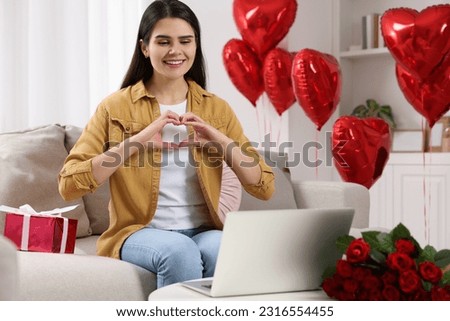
{"points": [[312, 29], [218, 26], [66, 56]]}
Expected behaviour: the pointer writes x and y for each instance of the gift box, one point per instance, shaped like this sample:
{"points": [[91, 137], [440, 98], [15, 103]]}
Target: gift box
{"points": [[46, 231]]}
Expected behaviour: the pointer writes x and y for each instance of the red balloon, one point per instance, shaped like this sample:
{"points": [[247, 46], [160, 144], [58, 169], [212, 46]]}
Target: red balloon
{"points": [[317, 83], [244, 69], [262, 23], [361, 148], [417, 41], [431, 97], [277, 79]]}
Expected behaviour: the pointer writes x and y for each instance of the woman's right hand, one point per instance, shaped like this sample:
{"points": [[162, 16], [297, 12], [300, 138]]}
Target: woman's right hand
{"points": [[151, 136]]}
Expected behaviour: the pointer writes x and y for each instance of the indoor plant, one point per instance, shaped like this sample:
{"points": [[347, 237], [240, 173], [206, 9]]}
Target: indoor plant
{"points": [[373, 109]]}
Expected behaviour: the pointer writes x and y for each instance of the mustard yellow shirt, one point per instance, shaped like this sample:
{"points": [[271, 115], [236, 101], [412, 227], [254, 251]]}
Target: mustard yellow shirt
{"points": [[134, 186]]}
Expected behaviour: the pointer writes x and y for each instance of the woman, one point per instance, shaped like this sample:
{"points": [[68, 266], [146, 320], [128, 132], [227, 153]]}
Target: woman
{"points": [[161, 141]]}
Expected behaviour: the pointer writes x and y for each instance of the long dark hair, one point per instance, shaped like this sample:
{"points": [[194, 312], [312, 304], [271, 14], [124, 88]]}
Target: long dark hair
{"points": [[140, 67]]}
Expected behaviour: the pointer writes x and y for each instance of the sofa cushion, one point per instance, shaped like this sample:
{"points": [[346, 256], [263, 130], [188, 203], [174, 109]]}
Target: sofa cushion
{"points": [[230, 192], [30, 162], [73, 277], [96, 203]]}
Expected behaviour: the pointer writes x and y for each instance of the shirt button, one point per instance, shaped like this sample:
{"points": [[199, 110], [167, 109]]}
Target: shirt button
{"points": [[127, 129]]}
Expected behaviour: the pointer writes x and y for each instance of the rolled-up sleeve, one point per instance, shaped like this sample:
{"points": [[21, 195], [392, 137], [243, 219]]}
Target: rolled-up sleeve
{"points": [[76, 178], [266, 186]]}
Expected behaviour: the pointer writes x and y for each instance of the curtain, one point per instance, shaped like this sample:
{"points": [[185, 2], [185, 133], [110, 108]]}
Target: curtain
{"points": [[59, 58]]}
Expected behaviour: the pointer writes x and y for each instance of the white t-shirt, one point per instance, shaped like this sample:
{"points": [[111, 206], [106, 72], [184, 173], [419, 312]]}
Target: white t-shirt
{"points": [[181, 204]]}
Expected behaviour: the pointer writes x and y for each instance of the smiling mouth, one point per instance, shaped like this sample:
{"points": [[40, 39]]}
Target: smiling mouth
{"points": [[173, 62]]}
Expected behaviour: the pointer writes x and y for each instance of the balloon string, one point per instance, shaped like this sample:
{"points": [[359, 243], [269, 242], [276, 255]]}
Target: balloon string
{"points": [[429, 193], [317, 155], [424, 184], [263, 113], [280, 122], [258, 120], [267, 107]]}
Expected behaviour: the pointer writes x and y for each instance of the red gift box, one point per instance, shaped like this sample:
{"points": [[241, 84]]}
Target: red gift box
{"points": [[41, 232]]}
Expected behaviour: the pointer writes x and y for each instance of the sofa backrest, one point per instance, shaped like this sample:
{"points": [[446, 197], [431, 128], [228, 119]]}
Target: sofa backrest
{"points": [[31, 160]]}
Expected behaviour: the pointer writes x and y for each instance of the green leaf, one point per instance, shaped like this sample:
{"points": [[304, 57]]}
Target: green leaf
{"points": [[400, 232], [386, 242], [386, 109], [442, 258], [427, 254], [343, 242], [427, 286], [372, 104], [445, 278], [377, 256], [371, 238], [360, 111], [388, 119]]}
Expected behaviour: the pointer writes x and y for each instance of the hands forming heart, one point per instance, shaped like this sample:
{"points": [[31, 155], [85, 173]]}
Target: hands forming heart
{"points": [[170, 130]]}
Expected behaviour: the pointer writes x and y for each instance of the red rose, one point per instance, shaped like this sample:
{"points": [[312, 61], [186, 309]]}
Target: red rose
{"points": [[389, 277], [409, 281], [344, 269], [371, 282], [420, 295], [350, 286], [360, 273], [440, 294], [391, 293], [399, 261], [332, 286], [430, 272], [345, 296], [358, 251], [375, 295], [405, 246]]}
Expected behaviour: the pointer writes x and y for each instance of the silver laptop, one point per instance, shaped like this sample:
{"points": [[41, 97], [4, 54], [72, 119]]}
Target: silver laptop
{"points": [[274, 251]]}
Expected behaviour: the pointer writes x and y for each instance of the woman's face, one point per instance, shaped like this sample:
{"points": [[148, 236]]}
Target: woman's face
{"points": [[171, 48]]}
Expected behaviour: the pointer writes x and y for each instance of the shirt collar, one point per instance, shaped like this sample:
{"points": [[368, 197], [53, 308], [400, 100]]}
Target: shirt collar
{"points": [[139, 91]]}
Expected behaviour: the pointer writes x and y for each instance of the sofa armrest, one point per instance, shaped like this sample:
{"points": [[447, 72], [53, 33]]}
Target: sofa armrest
{"points": [[8, 270], [316, 194]]}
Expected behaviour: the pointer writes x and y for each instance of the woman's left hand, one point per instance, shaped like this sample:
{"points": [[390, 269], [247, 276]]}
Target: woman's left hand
{"points": [[204, 132]]}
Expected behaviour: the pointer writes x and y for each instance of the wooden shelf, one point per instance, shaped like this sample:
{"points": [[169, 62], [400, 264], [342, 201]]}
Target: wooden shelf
{"points": [[359, 54]]}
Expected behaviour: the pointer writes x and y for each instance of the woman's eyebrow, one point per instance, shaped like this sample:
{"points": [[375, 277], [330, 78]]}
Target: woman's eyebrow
{"points": [[168, 37]]}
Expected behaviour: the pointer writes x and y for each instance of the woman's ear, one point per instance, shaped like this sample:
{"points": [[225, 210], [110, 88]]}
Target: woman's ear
{"points": [[144, 48]]}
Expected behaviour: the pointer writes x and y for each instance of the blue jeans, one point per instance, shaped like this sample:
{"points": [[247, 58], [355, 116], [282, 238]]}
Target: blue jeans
{"points": [[173, 255]]}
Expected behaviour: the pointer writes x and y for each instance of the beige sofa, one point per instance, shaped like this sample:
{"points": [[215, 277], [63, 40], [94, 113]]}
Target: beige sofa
{"points": [[31, 160]]}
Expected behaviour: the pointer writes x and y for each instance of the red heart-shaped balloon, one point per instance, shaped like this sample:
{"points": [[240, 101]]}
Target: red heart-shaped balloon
{"points": [[430, 97], [316, 78], [263, 23], [417, 41], [277, 79], [361, 148], [244, 69]]}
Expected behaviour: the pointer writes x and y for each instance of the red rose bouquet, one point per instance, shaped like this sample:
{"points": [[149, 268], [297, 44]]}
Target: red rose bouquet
{"points": [[387, 266]]}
